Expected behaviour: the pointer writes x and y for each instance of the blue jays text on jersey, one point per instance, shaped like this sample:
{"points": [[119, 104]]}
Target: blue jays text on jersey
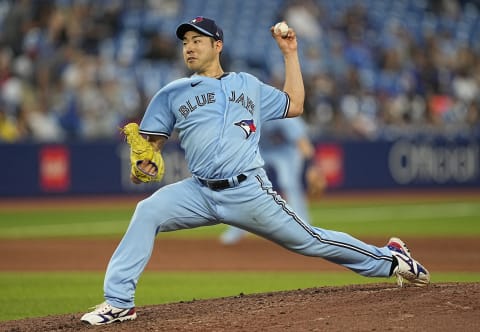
{"points": [[209, 98]]}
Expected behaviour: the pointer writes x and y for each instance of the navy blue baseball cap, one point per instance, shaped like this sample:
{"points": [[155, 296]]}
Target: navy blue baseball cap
{"points": [[203, 25]]}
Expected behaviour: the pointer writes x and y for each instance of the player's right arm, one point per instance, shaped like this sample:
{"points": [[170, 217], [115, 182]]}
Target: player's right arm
{"points": [[293, 84]]}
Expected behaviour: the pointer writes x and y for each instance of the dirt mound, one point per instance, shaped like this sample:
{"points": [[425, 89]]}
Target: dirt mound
{"points": [[373, 307]]}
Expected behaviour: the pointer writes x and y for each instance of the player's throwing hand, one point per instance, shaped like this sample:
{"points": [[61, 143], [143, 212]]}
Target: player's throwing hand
{"points": [[285, 37]]}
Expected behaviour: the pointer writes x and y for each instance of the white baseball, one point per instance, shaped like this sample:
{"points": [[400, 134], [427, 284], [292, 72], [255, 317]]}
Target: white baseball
{"points": [[281, 28]]}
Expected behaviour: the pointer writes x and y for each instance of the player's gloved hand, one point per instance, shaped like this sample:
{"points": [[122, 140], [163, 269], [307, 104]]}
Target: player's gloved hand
{"points": [[147, 163]]}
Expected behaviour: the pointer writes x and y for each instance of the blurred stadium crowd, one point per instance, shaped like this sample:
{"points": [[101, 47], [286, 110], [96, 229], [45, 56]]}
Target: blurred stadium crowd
{"points": [[79, 69]]}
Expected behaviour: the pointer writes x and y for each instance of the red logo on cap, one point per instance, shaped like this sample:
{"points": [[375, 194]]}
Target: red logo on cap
{"points": [[197, 19]]}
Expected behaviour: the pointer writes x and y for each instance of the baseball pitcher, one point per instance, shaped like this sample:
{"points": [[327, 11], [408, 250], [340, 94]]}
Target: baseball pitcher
{"points": [[219, 117]]}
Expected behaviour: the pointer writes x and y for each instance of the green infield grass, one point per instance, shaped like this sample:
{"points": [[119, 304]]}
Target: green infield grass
{"points": [[402, 218]]}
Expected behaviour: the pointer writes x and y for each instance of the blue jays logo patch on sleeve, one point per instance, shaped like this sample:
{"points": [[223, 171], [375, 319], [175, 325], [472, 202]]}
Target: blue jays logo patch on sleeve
{"points": [[248, 127]]}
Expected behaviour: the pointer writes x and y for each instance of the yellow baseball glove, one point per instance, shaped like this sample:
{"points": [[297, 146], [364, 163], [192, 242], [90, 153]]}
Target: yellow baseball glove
{"points": [[140, 150]]}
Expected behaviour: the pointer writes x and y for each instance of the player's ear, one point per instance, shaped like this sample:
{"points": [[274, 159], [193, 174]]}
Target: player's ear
{"points": [[218, 45]]}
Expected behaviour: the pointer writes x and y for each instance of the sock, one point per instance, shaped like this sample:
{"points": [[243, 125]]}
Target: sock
{"points": [[394, 265]]}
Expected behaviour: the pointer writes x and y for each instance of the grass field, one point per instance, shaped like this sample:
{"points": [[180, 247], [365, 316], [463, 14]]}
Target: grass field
{"points": [[42, 293], [414, 217]]}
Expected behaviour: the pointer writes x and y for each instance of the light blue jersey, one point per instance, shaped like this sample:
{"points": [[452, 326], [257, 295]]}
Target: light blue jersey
{"points": [[218, 120]]}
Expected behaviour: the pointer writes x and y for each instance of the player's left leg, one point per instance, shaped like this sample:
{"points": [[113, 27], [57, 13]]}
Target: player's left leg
{"points": [[257, 208]]}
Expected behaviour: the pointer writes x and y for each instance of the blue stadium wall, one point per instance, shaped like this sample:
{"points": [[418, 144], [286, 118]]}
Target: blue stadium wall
{"points": [[30, 170]]}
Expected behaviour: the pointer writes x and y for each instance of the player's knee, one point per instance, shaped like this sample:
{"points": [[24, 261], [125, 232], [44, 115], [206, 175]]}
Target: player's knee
{"points": [[143, 205], [145, 211]]}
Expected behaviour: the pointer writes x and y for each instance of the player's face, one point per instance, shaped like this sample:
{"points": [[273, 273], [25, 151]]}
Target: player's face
{"points": [[200, 53]]}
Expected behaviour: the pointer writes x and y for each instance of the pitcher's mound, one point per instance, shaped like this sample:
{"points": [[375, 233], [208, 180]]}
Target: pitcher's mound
{"points": [[372, 307]]}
